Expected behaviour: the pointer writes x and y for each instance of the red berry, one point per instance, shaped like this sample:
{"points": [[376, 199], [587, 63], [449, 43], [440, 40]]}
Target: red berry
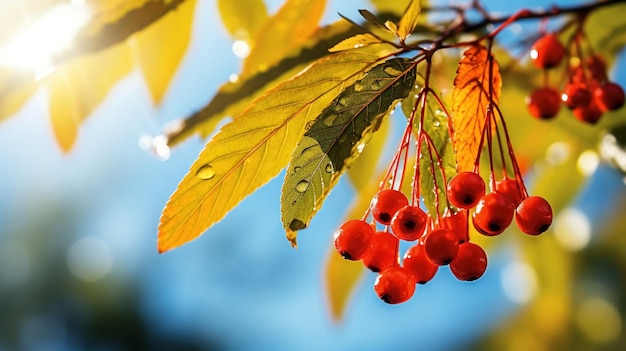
{"points": [[547, 52], [465, 189], [597, 67], [441, 246], [544, 103], [609, 96], [416, 262], [470, 263], [589, 114], [395, 285], [382, 253], [386, 203], [511, 189], [409, 223], [533, 215], [353, 238], [457, 223], [576, 95], [493, 214]]}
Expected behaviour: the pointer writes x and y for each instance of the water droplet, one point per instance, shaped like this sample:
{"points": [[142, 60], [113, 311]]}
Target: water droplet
{"points": [[375, 85], [358, 86], [329, 168], [294, 202], [342, 102], [302, 186], [392, 71], [296, 169], [205, 172], [330, 120], [436, 123], [360, 147]]}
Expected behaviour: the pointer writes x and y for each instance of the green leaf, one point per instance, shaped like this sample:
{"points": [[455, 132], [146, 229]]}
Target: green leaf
{"points": [[355, 42], [364, 169], [436, 127], [233, 97], [243, 18], [337, 137], [409, 19], [253, 148]]}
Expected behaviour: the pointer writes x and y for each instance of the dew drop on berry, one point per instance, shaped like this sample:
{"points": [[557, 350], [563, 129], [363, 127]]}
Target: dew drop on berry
{"points": [[302, 186], [205, 172]]}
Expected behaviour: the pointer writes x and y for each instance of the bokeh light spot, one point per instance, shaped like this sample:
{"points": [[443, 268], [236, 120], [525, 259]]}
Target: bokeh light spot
{"points": [[89, 259]]}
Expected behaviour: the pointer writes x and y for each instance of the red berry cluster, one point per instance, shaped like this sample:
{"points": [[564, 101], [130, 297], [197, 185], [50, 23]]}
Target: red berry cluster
{"points": [[586, 90], [440, 238]]}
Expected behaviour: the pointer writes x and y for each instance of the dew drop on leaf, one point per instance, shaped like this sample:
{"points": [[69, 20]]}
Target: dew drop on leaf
{"points": [[392, 71], [375, 85], [296, 169], [328, 121], [358, 86], [329, 168], [302, 186], [205, 172]]}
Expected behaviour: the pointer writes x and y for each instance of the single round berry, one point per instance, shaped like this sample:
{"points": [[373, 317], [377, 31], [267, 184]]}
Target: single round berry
{"points": [[471, 262], [544, 103], [416, 262], [589, 114], [409, 223], [465, 189], [597, 67], [457, 223], [547, 51], [533, 215], [395, 285], [576, 95], [441, 246], [493, 214], [511, 189], [609, 96], [353, 238], [382, 253], [386, 203]]}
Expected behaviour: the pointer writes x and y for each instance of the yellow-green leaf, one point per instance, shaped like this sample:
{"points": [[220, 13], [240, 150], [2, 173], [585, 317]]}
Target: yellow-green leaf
{"points": [[242, 18], [337, 137], [253, 148], [233, 97], [355, 42], [409, 19], [173, 32], [288, 29], [470, 101]]}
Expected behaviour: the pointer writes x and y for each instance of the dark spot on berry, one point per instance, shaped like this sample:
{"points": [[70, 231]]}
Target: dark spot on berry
{"points": [[471, 279], [467, 199], [409, 225], [494, 227], [446, 261], [385, 298], [543, 228], [374, 269], [422, 282], [385, 217], [346, 255]]}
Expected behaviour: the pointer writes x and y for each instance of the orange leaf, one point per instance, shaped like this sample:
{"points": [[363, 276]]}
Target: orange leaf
{"points": [[470, 101]]}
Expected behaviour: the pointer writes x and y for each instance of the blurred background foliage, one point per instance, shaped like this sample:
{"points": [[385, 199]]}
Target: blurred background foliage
{"points": [[78, 265]]}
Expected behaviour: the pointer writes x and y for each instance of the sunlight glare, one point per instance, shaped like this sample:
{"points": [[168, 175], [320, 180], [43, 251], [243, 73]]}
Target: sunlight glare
{"points": [[34, 48]]}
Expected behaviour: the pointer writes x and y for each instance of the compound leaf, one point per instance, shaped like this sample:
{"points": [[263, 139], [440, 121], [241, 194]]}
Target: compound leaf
{"points": [[252, 149], [409, 19], [337, 137]]}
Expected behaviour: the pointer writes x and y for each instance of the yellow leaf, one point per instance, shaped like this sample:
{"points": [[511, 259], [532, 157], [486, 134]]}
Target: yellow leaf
{"points": [[355, 42], [470, 101], [242, 18], [160, 49], [77, 88], [252, 149], [288, 29], [12, 101], [409, 19]]}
